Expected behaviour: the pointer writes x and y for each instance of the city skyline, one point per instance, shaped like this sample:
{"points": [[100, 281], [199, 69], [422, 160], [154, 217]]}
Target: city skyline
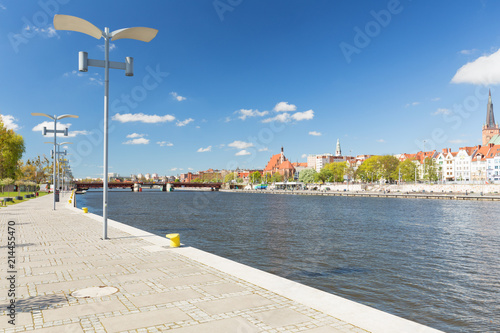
{"points": [[225, 86]]}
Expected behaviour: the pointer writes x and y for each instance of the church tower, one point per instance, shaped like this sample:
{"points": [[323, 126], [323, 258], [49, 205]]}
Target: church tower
{"points": [[338, 152], [490, 129]]}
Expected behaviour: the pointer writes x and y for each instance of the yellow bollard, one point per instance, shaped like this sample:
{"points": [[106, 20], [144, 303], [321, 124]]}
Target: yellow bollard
{"points": [[174, 240], [69, 200], [85, 209]]}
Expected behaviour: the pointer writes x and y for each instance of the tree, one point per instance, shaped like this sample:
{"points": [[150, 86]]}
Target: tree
{"points": [[324, 175], [407, 168], [368, 170], [229, 177], [431, 169], [276, 178], [388, 167], [255, 177], [338, 170], [6, 182], [11, 151], [307, 176]]}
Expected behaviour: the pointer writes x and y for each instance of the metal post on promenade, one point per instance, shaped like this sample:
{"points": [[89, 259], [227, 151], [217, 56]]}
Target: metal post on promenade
{"points": [[55, 131], [73, 23]]}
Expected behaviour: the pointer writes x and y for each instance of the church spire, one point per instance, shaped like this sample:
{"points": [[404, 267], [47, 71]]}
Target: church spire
{"points": [[490, 117], [338, 152]]}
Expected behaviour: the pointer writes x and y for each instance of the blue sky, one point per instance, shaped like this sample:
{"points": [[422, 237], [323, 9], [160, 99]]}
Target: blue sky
{"points": [[226, 83]]}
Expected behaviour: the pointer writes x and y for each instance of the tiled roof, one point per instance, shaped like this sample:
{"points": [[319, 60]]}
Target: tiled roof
{"points": [[273, 162], [286, 165]]}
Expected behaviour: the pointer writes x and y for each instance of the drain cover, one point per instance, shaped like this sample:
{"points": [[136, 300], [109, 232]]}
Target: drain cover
{"points": [[94, 292]]}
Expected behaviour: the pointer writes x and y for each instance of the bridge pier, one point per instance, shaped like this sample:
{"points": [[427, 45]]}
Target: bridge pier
{"points": [[137, 187]]}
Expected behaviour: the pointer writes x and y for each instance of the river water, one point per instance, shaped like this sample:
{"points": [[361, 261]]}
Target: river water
{"points": [[436, 262]]}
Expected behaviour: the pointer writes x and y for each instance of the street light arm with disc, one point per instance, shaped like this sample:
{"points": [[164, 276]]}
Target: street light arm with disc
{"points": [[138, 33]]}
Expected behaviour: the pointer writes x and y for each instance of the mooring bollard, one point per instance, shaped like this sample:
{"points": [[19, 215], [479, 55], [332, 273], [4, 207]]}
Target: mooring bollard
{"points": [[174, 240], [85, 210]]}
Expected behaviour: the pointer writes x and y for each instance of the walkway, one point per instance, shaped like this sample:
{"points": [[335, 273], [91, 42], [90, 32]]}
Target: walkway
{"points": [[159, 289]]}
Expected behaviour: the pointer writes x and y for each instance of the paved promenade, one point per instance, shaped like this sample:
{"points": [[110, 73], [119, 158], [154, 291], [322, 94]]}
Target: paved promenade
{"points": [[158, 288]]}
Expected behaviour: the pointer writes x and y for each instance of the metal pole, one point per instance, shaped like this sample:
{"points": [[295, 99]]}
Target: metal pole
{"points": [[106, 95], [54, 160]]}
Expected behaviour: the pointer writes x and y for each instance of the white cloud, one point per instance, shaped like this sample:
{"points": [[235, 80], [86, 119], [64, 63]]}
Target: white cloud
{"points": [[141, 117], [284, 106], [442, 111], [184, 122], [112, 46], [304, 156], [306, 115], [281, 118], [135, 135], [412, 104], [242, 153], [240, 144], [173, 169], [72, 134], [177, 96], [381, 140], [264, 149], [46, 33], [227, 119], [314, 133], [484, 70], [457, 141], [139, 141], [245, 113], [95, 79], [435, 99], [9, 122], [165, 144], [203, 150], [3, 7], [467, 52]]}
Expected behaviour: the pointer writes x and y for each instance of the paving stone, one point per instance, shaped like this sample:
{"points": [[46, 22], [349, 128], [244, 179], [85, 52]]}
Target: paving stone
{"points": [[70, 328], [21, 319], [76, 311], [237, 324], [233, 303], [164, 298], [223, 288], [143, 319], [189, 280], [69, 286], [281, 317]]}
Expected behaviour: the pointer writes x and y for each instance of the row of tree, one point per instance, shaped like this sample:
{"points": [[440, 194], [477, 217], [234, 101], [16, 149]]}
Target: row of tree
{"points": [[375, 168]]}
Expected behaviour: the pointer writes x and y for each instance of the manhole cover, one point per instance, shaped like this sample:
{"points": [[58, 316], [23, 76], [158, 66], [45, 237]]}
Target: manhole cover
{"points": [[94, 292]]}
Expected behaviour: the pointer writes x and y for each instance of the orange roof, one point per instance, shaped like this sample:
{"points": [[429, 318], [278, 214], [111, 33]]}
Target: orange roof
{"points": [[273, 162], [286, 165], [297, 164]]}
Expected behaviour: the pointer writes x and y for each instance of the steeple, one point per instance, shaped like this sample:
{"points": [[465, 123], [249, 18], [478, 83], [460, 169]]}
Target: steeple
{"points": [[490, 117], [338, 152]]}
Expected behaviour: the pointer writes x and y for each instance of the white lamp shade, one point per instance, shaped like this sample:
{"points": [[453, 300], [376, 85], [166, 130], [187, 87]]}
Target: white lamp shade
{"points": [[138, 33], [73, 23]]}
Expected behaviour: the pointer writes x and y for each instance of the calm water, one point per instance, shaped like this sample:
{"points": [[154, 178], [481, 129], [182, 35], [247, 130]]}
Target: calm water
{"points": [[436, 262]]}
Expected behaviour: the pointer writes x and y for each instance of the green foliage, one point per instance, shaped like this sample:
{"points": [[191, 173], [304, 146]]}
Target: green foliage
{"points": [[255, 177], [229, 177], [378, 167], [6, 182], [307, 176], [11, 151], [431, 170], [276, 178], [337, 170], [408, 168], [324, 175]]}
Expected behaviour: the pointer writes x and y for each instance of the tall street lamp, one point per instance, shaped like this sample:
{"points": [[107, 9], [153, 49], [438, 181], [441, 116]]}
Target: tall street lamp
{"points": [[58, 153], [72, 23], [55, 131]]}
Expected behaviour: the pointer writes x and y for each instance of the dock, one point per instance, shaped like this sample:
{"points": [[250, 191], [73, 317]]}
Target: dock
{"points": [[140, 284]]}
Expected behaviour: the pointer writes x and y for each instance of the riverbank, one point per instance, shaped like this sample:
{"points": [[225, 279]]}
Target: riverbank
{"points": [[381, 194], [158, 288]]}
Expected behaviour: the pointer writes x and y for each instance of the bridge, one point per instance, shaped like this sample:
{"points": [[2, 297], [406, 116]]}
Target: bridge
{"points": [[88, 185]]}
